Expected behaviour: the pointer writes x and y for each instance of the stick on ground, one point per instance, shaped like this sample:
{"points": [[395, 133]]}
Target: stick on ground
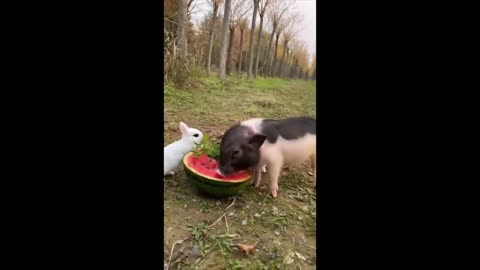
{"points": [[226, 223], [220, 218], [171, 252]]}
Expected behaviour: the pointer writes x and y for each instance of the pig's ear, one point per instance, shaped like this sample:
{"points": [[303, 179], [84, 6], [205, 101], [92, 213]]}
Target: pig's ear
{"points": [[257, 140]]}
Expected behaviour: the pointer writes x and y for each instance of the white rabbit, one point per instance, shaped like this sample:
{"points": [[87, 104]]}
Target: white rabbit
{"points": [[173, 153]]}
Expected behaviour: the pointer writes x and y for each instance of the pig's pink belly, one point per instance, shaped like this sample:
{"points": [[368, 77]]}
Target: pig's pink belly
{"points": [[293, 159], [292, 152]]}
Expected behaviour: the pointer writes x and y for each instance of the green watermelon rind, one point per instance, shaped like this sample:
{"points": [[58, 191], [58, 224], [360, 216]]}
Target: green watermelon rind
{"points": [[214, 187]]}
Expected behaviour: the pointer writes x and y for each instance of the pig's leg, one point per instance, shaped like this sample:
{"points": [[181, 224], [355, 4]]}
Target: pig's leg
{"points": [[258, 176], [313, 161], [274, 170]]}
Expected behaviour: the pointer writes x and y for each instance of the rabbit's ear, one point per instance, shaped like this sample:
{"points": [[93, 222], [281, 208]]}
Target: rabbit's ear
{"points": [[183, 128]]}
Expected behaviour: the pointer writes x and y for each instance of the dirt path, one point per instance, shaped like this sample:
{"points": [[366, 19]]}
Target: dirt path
{"points": [[283, 230]]}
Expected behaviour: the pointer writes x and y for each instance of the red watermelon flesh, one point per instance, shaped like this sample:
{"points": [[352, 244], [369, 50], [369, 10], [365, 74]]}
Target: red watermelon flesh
{"points": [[207, 166]]}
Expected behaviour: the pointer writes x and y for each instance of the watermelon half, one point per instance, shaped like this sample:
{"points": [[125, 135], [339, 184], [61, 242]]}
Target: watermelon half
{"points": [[201, 171]]}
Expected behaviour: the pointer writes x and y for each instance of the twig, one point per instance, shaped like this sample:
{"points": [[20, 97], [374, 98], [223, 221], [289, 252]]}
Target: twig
{"points": [[181, 26], [216, 221], [226, 223], [179, 259], [204, 255], [228, 235], [231, 203], [171, 252]]}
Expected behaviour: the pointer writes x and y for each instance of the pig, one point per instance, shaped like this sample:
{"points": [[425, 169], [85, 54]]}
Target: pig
{"points": [[258, 143]]}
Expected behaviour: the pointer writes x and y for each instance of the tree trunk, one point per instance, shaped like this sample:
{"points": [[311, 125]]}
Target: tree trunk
{"points": [[275, 56], [296, 70], [260, 64], [288, 65], [257, 56], [280, 73], [264, 63], [212, 34], [182, 27], [292, 66], [240, 53], [252, 38], [263, 67], [270, 42], [229, 54], [223, 48]]}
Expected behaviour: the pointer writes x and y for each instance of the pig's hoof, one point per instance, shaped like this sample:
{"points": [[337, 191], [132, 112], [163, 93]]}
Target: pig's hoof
{"points": [[274, 193]]}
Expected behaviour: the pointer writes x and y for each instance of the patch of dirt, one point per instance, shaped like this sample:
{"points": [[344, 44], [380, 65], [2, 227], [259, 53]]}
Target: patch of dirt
{"points": [[283, 230], [274, 226]]}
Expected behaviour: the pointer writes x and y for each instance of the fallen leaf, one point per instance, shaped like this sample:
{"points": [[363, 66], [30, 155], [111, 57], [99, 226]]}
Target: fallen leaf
{"points": [[247, 248], [289, 258], [300, 256]]}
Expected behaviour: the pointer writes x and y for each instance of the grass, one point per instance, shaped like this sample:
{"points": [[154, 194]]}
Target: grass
{"points": [[277, 227], [225, 103]]}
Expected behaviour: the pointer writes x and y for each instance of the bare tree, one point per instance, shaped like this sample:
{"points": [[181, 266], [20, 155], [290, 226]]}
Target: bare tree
{"points": [[277, 37], [252, 37], [289, 32], [191, 6], [285, 59], [239, 9], [182, 27], [262, 7], [313, 67], [286, 22], [215, 4], [223, 48], [293, 49], [275, 14], [300, 59], [243, 25]]}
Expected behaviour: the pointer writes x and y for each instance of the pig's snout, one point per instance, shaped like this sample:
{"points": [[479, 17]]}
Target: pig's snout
{"points": [[223, 171], [218, 171]]}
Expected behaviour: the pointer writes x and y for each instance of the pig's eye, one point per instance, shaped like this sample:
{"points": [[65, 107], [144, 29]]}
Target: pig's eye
{"points": [[195, 135], [236, 153]]}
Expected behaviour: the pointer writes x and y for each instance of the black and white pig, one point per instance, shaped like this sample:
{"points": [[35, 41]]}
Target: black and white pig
{"points": [[258, 142]]}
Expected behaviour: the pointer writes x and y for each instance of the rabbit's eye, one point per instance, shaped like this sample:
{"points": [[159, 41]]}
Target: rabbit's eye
{"points": [[196, 135]]}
